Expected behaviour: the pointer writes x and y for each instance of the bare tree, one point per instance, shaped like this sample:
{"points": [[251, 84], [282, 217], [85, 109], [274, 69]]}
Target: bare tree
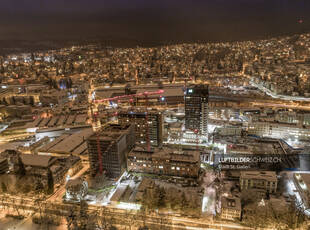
{"points": [[71, 218], [130, 218], [142, 215], [4, 201], [16, 206], [38, 205], [103, 215], [22, 203], [163, 220]]}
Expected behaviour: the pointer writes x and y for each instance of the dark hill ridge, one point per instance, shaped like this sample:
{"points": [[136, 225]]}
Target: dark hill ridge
{"points": [[46, 24]]}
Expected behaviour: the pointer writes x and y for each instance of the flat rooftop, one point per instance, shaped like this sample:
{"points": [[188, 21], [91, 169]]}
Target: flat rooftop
{"points": [[259, 175], [231, 203], [167, 153], [112, 132], [69, 143], [37, 160], [115, 128], [257, 146]]}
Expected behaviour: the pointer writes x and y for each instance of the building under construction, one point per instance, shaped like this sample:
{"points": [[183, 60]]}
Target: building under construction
{"points": [[148, 124], [108, 148]]}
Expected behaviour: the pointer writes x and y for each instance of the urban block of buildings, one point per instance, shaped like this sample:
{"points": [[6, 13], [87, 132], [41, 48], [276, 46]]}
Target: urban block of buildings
{"points": [[164, 161]]}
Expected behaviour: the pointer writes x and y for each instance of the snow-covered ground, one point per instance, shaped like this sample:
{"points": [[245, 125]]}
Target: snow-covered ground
{"points": [[209, 197], [293, 191]]}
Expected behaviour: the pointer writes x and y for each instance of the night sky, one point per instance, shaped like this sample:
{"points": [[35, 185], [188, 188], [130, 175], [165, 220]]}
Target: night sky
{"points": [[147, 22]]}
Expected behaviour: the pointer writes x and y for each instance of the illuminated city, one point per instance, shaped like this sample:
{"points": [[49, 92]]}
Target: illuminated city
{"points": [[179, 134]]}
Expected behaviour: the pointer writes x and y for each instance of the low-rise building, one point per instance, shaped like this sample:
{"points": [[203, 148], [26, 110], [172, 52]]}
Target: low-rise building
{"points": [[266, 181], [42, 167], [14, 111], [54, 97], [252, 145], [278, 130], [33, 148], [164, 161], [39, 167], [229, 131], [68, 144], [230, 208]]}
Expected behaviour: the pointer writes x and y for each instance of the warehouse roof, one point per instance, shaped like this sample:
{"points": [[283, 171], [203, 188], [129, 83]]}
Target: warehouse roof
{"points": [[37, 160]]}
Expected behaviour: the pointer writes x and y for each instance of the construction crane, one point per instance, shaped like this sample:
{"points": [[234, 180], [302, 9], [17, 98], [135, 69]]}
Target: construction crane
{"points": [[95, 119], [130, 96], [136, 77], [147, 124], [145, 94]]}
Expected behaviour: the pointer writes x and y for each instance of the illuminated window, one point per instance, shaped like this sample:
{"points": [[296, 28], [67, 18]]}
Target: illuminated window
{"points": [[173, 167], [161, 167], [178, 168]]}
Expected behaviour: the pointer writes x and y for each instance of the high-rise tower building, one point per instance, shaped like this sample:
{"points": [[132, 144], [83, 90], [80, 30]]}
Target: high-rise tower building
{"points": [[196, 109], [151, 131], [114, 141]]}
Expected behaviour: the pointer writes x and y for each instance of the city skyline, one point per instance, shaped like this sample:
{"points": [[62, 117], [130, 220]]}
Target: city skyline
{"points": [[148, 115]]}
